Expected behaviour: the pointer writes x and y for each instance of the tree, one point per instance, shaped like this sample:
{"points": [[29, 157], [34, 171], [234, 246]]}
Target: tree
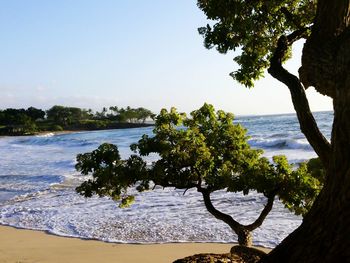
{"points": [[143, 114], [66, 115], [264, 32], [77, 114], [35, 113], [13, 116], [90, 113], [114, 113], [101, 115], [209, 154], [58, 114], [130, 114]]}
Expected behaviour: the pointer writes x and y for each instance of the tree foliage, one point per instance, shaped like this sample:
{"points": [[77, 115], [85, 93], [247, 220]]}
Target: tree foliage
{"points": [[253, 28], [12, 116], [205, 151], [35, 113], [128, 114], [111, 175], [66, 115], [20, 121]]}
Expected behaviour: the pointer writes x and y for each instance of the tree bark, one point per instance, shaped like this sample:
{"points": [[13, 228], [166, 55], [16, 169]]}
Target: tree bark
{"points": [[321, 50], [324, 235]]}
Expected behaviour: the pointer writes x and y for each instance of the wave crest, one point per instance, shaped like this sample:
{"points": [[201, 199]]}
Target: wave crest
{"points": [[280, 144]]}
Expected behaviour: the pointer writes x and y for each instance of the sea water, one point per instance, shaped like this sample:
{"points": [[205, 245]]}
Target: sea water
{"points": [[38, 180]]}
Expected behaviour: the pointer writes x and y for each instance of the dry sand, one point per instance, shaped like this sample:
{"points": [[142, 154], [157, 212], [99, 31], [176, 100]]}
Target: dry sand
{"points": [[28, 246]]}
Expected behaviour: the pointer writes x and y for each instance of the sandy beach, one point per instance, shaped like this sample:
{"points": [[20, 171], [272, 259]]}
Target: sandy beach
{"points": [[28, 246]]}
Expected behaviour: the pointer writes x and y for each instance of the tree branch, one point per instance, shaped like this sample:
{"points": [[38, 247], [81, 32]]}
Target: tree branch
{"points": [[290, 17], [235, 226], [167, 184], [307, 122], [258, 222]]}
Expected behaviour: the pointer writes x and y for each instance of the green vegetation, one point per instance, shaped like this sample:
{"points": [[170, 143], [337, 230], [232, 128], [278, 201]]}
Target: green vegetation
{"points": [[59, 118], [207, 152], [254, 27], [139, 115], [20, 121]]}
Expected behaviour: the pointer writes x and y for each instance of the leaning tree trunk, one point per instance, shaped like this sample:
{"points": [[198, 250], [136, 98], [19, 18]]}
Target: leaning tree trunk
{"points": [[324, 235]]}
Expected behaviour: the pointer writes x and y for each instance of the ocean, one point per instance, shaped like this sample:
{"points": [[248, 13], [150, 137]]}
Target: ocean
{"points": [[37, 182]]}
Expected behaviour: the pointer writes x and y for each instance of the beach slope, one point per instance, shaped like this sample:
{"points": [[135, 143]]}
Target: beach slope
{"points": [[28, 246]]}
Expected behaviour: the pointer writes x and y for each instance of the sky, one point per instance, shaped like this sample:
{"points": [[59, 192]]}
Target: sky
{"points": [[138, 53]]}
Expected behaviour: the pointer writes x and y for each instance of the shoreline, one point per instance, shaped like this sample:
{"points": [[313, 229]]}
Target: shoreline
{"points": [[29, 246], [43, 133], [117, 126]]}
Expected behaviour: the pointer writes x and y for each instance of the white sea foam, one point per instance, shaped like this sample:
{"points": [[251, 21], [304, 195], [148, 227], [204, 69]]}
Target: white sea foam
{"points": [[157, 217], [49, 134]]}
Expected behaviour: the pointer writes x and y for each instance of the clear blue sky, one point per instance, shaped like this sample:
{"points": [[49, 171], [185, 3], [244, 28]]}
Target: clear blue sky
{"points": [[95, 53]]}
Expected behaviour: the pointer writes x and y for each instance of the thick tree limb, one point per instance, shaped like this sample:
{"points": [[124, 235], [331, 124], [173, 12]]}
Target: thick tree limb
{"points": [[258, 222], [307, 122], [235, 226]]}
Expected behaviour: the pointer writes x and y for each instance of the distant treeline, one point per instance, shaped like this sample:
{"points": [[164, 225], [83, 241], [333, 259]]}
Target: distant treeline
{"points": [[59, 118]]}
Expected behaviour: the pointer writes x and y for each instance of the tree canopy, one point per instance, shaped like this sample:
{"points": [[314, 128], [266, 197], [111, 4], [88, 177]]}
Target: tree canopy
{"points": [[11, 116], [253, 28], [20, 121], [131, 115], [66, 115], [205, 151]]}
